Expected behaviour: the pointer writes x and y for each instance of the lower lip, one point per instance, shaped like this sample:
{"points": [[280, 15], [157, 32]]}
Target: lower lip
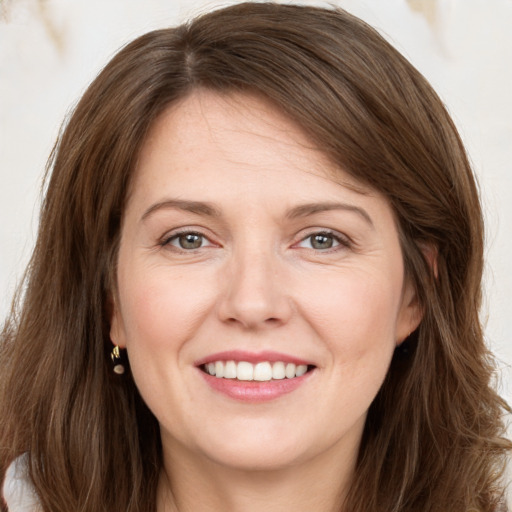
{"points": [[255, 391]]}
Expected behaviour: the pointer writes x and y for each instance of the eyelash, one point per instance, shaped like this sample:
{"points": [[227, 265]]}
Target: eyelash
{"points": [[341, 240], [166, 241]]}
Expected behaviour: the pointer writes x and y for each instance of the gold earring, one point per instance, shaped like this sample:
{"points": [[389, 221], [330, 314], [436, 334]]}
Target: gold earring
{"points": [[117, 360]]}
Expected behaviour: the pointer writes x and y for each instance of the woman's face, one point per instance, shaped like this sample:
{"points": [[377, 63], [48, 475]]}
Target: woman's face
{"points": [[247, 255]]}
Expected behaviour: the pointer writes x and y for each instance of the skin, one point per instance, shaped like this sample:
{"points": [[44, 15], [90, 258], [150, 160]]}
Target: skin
{"points": [[256, 282]]}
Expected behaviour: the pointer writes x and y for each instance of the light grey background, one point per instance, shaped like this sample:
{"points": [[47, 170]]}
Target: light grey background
{"points": [[50, 50]]}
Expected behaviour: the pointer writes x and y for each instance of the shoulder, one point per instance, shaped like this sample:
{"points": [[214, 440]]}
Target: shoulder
{"points": [[18, 491]]}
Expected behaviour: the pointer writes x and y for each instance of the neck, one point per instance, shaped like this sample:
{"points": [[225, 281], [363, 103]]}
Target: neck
{"points": [[188, 484]]}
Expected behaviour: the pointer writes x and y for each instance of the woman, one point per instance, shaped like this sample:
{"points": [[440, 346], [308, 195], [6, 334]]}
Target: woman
{"points": [[256, 285]]}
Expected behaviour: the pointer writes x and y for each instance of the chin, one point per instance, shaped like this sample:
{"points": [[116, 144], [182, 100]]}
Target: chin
{"points": [[268, 446], [256, 457]]}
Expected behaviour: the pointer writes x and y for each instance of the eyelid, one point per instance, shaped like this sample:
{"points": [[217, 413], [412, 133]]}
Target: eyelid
{"points": [[342, 240], [165, 240]]}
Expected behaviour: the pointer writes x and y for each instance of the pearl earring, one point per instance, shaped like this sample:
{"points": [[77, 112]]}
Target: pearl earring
{"points": [[117, 360]]}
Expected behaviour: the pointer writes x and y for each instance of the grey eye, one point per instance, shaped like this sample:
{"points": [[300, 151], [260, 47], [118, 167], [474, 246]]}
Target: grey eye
{"points": [[321, 241], [188, 241]]}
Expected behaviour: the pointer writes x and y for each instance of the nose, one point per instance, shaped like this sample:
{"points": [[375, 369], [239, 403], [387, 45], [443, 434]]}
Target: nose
{"points": [[254, 295]]}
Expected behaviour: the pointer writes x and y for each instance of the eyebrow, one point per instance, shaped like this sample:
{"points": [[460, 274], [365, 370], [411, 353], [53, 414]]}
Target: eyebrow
{"points": [[305, 210], [209, 210], [197, 207]]}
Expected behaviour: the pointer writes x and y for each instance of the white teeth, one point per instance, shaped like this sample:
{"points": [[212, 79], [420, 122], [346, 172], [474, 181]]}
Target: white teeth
{"points": [[230, 370], [244, 371], [301, 370], [290, 371], [219, 369], [263, 371], [278, 372]]}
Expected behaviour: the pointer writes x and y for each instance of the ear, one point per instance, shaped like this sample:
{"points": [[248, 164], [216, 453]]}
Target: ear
{"points": [[410, 313], [430, 252], [117, 332]]}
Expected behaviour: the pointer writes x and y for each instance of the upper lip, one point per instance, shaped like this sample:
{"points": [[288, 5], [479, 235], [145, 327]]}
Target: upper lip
{"points": [[251, 357]]}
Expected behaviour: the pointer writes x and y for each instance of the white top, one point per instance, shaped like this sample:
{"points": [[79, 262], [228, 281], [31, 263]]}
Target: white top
{"points": [[18, 491]]}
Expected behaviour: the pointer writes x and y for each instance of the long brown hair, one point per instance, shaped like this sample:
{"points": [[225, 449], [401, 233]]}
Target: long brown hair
{"points": [[433, 440]]}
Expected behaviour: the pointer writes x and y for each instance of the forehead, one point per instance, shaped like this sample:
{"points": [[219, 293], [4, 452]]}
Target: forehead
{"points": [[233, 132]]}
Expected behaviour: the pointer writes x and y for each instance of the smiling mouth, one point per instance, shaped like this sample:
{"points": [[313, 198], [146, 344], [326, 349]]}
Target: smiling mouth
{"points": [[259, 372]]}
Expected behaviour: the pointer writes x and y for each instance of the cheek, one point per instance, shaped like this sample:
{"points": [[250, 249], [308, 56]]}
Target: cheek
{"points": [[355, 315], [355, 306], [356, 321], [162, 309]]}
